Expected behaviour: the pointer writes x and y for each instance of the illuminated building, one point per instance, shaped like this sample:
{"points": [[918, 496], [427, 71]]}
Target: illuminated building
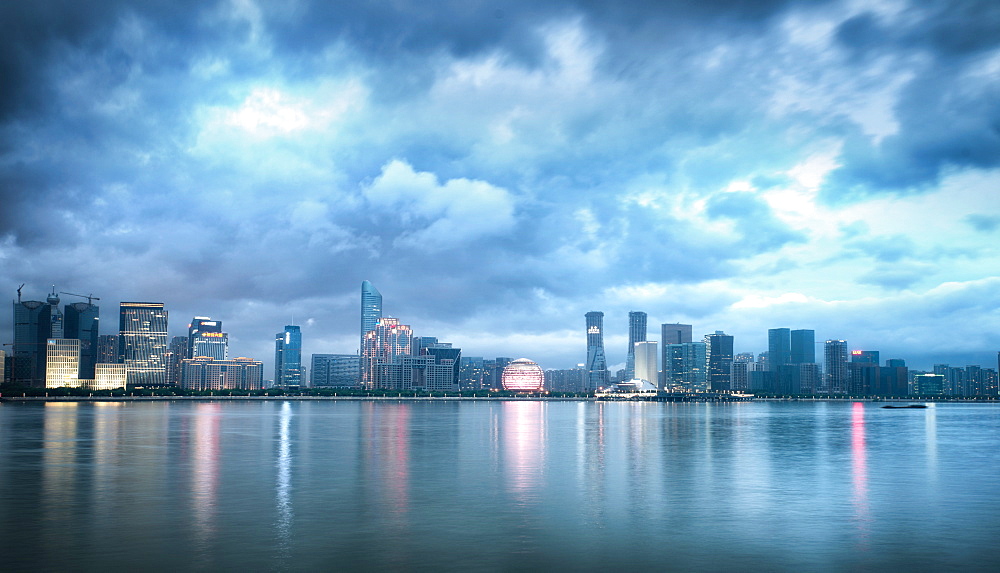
{"points": [[288, 357], [836, 374], [646, 362], [597, 366], [205, 373], [719, 360], [636, 333], [335, 370], [205, 338], [382, 345], [107, 377], [62, 363], [407, 372], [81, 322], [142, 342], [176, 352], [107, 349], [928, 384], [523, 375]]}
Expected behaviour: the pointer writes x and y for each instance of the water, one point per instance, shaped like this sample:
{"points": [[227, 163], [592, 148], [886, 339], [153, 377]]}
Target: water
{"points": [[347, 485]]}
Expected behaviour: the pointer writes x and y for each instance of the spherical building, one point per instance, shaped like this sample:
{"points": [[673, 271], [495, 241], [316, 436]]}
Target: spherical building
{"points": [[523, 375]]}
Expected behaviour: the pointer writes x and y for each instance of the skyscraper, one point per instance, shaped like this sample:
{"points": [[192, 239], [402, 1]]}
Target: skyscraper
{"points": [[779, 348], [81, 322], [288, 357], [384, 346], [597, 366], [671, 333], [836, 376], [371, 309], [32, 329], [719, 360], [636, 333], [107, 349], [685, 367], [142, 342], [803, 347], [205, 338], [62, 368]]}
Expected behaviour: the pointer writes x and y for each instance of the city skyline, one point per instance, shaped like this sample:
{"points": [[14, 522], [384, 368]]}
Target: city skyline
{"points": [[499, 171]]}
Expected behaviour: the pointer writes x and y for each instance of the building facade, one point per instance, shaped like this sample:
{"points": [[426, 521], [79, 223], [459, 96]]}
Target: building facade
{"points": [[335, 370], [288, 357], [81, 321], [636, 333], [646, 362], [203, 373], [371, 310], [142, 342], [836, 376], [719, 361], [597, 365]]}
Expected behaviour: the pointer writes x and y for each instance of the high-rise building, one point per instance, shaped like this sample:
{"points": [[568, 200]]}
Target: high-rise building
{"points": [[646, 362], [335, 370], [142, 342], [444, 353], [176, 352], [383, 345], [636, 333], [803, 347], [107, 349], [371, 309], [685, 367], [62, 365], [671, 333], [81, 321], [928, 385], [779, 348], [471, 371], [836, 375], [719, 360], [205, 338], [32, 329], [288, 357], [597, 365]]}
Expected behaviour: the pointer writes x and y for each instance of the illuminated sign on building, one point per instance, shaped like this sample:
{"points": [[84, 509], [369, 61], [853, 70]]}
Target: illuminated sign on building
{"points": [[593, 330], [211, 334]]}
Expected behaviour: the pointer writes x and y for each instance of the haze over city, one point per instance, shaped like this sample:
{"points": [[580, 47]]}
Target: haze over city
{"points": [[499, 169]]}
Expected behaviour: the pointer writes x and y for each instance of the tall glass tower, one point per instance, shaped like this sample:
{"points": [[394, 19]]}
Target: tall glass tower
{"points": [[81, 322], [371, 310], [597, 365], [142, 342], [636, 333], [779, 348], [288, 357]]}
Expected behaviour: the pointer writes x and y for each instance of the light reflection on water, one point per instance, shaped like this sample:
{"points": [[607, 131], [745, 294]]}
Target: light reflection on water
{"points": [[498, 485]]}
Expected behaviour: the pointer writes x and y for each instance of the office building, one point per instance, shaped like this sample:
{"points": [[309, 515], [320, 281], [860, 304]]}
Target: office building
{"points": [[205, 338], [836, 376], [684, 370], [107, 377], [107, 349], [672, 333], [719, 361], [803, 347], [371, 309], [928, 385], [335, 370], [566, 380], [204, 373], [32, 329], [177, 351], [597, 366], [444, 353], [779, 348], [62, 364], [636, 333], [142, 342], [646, 362], [81, 321], [288, 357]]}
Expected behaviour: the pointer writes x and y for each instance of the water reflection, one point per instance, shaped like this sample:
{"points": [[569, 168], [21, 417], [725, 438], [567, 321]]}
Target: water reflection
{"points": [[284, 466], [59, 463], [205, 477], [524, 449], [859, 471]]}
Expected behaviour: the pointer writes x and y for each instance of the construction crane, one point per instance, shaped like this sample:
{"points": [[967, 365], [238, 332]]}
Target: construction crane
{"points": [[90, 297]]}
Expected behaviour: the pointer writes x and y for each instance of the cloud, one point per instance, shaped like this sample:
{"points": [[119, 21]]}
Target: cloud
{"points": [[439, 216]]}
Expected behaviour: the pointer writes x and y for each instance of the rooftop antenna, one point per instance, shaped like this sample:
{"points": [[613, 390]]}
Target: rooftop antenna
{"points": [[19, 292]]}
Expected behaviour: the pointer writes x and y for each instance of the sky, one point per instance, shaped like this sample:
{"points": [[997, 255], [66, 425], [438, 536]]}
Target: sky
{"points": [[499, 169]]}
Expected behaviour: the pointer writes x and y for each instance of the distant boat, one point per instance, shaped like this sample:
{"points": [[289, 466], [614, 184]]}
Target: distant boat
{"points": [[907, 406]]}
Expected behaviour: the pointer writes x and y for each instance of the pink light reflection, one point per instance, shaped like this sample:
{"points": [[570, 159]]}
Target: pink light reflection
{"points": [[859, 469]]}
